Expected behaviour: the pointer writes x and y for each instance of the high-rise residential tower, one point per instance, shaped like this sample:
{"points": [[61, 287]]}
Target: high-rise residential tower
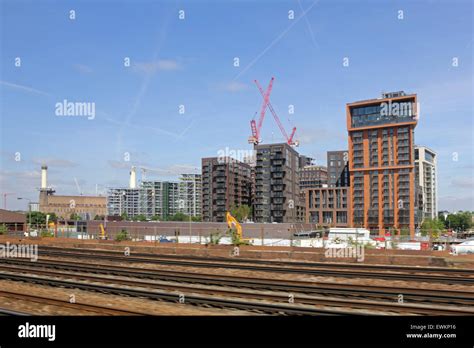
{"points": [[426, 178], [226, 182], [277, 190], [382, 162]]}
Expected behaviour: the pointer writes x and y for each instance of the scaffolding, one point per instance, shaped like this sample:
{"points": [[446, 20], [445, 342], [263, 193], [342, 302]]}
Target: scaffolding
{"points": [[158, 198], [124, 200], [190, 190]]}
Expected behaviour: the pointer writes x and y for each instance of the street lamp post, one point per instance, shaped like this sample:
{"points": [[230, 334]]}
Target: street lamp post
{"points": [[449, 229], [29, 211]]}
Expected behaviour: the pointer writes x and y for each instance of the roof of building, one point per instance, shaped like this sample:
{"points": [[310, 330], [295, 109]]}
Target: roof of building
{"points": [[380, 99], [314, 167], [426, 148], [8, 216]]}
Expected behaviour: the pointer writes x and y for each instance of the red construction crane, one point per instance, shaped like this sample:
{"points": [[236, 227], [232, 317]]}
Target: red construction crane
{"points": [[5, 194], [255, 138]]}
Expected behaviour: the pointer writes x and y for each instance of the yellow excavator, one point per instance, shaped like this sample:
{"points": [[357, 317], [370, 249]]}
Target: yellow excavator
{"points": [[233, 223], [103, 234]]}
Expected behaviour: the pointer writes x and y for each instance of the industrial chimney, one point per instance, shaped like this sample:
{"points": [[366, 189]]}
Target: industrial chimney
{"points": [[44, 177], [133, 178]]}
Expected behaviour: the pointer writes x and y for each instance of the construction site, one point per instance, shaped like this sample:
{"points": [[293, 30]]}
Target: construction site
{"points": [[189, 279], [244, 173], [304, 248], [314, 240], [259, 232]]}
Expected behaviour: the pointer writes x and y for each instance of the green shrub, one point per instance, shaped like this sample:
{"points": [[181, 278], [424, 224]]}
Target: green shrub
{"points": [[235, 237], [215, 238], [47, 234], [3, 229], [122, 235]]}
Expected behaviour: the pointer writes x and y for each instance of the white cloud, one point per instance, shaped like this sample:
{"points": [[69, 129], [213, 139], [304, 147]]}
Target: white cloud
{"points": [[157, 65], [121, 164], [455, 203], [55, 162], [27, 175], [170, 172], [463, 182], [234, 86]]}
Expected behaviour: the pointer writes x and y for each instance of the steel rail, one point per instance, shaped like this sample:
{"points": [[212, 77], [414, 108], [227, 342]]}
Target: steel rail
{"points": [[65, 304], [445, 279], [311, 264], [195, 299], [305, 299], [416, 294]]}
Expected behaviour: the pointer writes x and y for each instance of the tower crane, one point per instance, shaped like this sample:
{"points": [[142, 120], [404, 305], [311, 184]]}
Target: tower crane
{"points": [[5, 194], [256, 128], [255, 138]]}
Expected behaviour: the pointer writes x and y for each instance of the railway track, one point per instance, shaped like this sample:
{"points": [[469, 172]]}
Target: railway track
{"points": [[10, 312], [433, 275], [290, 286], [43, 301], [457, 271], [196, 299], [248, 299]]}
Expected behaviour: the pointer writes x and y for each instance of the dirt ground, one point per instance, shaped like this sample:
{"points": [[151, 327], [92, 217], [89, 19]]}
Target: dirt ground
{"points": [[138, 305], [372, 256]]}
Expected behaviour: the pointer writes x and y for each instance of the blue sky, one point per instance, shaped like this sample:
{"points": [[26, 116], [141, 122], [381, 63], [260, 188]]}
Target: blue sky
{"points": [[190, 62]]}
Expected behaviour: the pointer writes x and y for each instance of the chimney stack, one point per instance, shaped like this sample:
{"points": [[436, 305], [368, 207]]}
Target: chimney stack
{"points": [[44, 177], [133, 178]]}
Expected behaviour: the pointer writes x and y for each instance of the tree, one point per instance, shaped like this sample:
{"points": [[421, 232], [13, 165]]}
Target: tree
{"points": [[124, 216], [140, 217], [460, 221], [75, 217], [431, 225], [241, 212], [99, 217], [37, 218], [179, 217], [197, 218], [155, 218], [52, 217]]}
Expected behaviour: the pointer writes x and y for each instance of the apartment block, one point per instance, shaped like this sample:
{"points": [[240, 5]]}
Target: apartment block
{"points": [[277, 190], [124, 200], [328, 206], [226, 182], [313, 177], [305, 161], [426, 178], [338, 168], [152, 198], [381, 162], [159, 198]]}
